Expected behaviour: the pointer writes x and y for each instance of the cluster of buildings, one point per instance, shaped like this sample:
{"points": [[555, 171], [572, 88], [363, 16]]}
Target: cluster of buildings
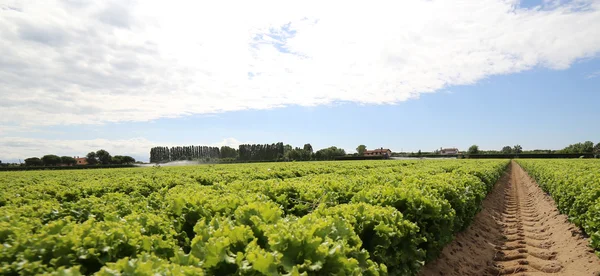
{"points": [[388, 152]]}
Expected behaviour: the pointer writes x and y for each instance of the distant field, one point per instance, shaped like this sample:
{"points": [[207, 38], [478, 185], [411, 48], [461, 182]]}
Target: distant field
{"points": [[362, 217]]}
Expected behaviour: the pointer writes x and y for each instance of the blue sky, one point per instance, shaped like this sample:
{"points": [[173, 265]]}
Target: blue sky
{"points": [[493, 73]]}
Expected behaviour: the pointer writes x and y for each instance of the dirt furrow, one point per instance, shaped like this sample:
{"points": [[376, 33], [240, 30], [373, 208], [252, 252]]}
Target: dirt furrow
{"points": [[518, 232], [521, 210]]}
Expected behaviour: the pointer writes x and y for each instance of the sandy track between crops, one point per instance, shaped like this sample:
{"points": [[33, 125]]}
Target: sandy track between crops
{"points": [[518, 232]]}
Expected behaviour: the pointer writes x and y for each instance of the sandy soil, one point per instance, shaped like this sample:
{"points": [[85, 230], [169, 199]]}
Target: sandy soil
{"points": [[518, 232]]}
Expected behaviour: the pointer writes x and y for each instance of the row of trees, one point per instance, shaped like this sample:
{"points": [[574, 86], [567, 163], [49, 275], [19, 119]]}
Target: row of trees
{"points": [[50, 160], [585, 147], [258, 152], [306, 153], [298, 154], [103, 157], [516, 149], [166, 154], [245, 152], [92, 158]]}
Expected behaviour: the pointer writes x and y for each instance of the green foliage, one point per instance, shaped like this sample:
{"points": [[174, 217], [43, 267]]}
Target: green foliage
{"points": [[585, 147], [308, 148], [228, 152], [325, 218], [259, 152], [385, 234], [68, 160], [118, 160], [33, 161], [517, 149], [91, 158], [298, 154], [433, 215], [361, 149], [329, 153], [51, 160], [148, 265], [474, 149], [103, 157]]}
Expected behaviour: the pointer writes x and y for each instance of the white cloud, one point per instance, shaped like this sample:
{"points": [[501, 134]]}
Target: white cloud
{"points": [[14, 148], [593, 75], [230, 142], [77, 62]]}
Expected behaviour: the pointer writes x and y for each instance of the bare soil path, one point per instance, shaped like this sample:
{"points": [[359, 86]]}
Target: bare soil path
{"points": [[518, 232]]}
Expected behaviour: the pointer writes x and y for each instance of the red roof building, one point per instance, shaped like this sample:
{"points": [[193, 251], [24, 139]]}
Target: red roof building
{"points": [[377, 152], [81, 161]]}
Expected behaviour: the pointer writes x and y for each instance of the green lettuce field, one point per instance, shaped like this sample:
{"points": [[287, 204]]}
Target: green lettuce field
{"points": [[326, 218]]}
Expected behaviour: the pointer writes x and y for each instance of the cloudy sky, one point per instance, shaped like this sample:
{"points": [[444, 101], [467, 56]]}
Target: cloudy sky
{"points": [[78, 75]]}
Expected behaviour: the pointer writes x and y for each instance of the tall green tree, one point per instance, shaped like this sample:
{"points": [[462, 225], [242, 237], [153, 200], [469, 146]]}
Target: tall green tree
{"points": [[474, 149], [128, 159], [261, 152], [329, 153], [517, 149], [597, 148], [103, 156], [33, 161], [68, 160], [119, 159], [51, 160], [506, 150], [361, 149], [308, 148], [588, 147], [91, 158], [228, 152]]}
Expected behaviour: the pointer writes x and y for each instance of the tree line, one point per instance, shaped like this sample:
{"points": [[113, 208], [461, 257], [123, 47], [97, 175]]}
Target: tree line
{"points": [[92, 158], [258, 152], [245, 152], [306, 153], [586, 147], [516, 149], [166, 154]]}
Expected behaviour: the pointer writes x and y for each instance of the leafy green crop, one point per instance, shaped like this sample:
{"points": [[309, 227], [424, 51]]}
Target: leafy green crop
{"points": [[575, 187], [325, 218]]}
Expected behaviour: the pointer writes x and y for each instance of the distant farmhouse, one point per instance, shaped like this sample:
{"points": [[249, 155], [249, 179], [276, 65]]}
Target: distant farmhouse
{"points": [[81, 161], [378, 152], [448, 151]]}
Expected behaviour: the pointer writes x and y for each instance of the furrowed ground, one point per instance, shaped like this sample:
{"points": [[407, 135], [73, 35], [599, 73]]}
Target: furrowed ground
{"points": [[359, 218], [520, 230]]}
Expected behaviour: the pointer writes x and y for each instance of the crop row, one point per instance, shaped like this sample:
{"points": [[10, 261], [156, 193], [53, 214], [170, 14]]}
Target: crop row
{"points": [[575, 187], [373, 218]]}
